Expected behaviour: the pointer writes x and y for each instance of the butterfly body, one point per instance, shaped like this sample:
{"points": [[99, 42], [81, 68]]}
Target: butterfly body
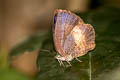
{"points": [[72, 37]]}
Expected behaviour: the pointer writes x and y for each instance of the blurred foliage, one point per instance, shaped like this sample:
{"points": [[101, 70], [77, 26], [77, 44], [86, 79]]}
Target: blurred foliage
{"points": [[7, 73], [32, 43], [12, 75], [3, 58], [99, 64]]}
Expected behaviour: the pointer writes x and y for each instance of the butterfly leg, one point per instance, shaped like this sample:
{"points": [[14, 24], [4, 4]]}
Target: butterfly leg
{"points": [[69, 63], [61, 63], [78, 59]]}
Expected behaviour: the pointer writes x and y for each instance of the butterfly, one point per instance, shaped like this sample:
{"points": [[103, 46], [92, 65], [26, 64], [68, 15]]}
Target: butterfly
{"points": [[72, 37]]}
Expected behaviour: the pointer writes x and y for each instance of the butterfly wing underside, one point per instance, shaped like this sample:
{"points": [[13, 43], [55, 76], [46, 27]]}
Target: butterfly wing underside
{"points": [[64, 22], [80, 40]]}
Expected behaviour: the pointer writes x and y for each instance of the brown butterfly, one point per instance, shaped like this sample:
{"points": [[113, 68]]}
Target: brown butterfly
{"points": [[72, 37]]}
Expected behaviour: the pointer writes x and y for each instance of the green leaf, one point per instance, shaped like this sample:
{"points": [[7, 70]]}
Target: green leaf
{"points": [[34, 42], [99, 64], [50, 68]]}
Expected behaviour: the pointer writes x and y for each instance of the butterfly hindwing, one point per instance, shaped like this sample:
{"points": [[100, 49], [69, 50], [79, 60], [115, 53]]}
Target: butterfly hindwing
{"points": [[80, 40]]}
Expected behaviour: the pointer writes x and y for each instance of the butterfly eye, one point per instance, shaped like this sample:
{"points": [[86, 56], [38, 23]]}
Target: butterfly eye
{"points": [[58, 56]]}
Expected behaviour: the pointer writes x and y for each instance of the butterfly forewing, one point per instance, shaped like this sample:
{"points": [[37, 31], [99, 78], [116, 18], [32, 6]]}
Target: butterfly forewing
{"points": [[64, 23]]}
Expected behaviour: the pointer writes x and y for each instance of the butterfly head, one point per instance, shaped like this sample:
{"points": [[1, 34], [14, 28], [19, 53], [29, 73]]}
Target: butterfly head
{"points": [[59, 57], [66, 58]]}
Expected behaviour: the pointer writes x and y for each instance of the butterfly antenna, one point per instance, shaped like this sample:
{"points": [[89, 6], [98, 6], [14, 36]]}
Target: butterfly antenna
{"points": [[45, 50]]}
